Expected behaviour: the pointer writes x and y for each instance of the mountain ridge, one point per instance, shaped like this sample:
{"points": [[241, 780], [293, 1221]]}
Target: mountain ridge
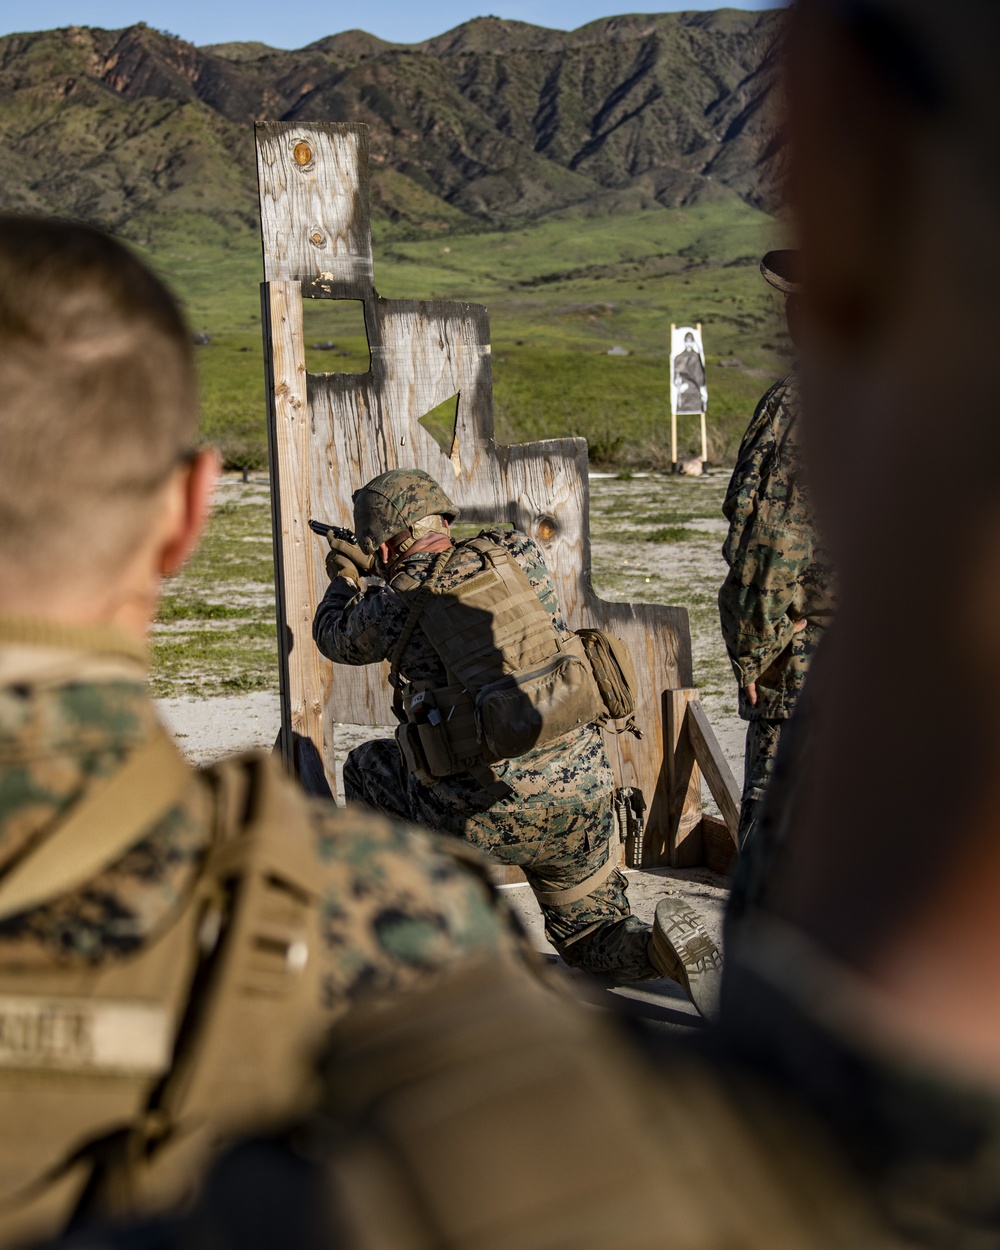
{"points": [[491, 123]]}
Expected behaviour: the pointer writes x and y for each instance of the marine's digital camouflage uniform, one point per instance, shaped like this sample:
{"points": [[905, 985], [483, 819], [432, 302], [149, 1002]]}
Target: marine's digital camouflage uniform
{"points": [[194, 930], [556, 824], [396, 909], [778, 574]]}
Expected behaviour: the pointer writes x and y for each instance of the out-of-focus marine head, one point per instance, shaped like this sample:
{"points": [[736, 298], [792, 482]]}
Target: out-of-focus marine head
{"points": [[893, 112], [99, 411], [393, 504]]}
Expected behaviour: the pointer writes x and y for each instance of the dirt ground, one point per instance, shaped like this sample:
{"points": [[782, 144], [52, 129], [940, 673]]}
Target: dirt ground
{"points": [[655, 539]]}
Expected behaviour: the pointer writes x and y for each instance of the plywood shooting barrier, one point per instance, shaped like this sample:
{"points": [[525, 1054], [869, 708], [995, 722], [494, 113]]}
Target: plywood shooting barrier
{"points": [[329, 433]]}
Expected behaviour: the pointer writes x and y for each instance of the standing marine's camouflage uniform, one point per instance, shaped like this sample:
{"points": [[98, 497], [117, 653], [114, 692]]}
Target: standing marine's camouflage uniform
{"points": [[778, 574], [556, 817]]}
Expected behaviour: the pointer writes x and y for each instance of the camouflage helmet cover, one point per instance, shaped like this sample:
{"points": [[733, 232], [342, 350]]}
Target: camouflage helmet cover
{"points": [[393, 501]]}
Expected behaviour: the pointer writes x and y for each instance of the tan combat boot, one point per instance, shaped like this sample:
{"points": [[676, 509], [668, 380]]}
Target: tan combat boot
{"points": [[681, 949]]}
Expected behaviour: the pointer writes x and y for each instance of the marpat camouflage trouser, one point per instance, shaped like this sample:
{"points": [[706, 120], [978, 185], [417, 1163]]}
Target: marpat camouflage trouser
{"points": [[761, 747], [755, 854], [557, 847]]}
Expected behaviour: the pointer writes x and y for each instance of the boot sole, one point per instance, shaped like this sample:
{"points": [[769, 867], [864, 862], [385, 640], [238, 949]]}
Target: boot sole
{"points": [[680, 941]]}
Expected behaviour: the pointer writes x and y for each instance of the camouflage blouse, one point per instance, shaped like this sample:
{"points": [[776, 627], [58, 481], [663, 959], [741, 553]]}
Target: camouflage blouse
{"points": [[778, 570], [397, 906]]}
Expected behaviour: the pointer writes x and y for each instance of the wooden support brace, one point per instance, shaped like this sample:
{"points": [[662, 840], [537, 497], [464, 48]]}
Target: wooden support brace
{"points": [[721, 782], [693, 752], [717, 845], [684, 849], [301, 738]]}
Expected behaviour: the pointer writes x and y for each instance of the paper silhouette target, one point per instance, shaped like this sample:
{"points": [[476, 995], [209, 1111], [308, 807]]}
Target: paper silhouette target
{"points": [[688, 392]]}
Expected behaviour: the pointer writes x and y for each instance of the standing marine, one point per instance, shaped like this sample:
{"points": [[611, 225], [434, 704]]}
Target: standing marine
{"points": [[499, 741], [778, 596]]}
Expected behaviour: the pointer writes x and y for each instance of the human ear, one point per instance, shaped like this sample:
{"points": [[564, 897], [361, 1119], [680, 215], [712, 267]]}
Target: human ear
{"points": [[193, 487]]}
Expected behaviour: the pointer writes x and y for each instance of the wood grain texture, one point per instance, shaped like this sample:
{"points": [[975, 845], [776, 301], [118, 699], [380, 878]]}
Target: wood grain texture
{"points": [[683, 848], [715, 766], [354, 426], [314, 214], [296, 584]]}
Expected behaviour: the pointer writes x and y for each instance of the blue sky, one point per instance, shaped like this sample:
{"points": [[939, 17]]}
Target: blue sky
{"points": [[303, 21]]}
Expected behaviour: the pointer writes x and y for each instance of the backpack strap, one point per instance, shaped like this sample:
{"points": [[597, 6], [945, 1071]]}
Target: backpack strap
{"points": [[420, 599], [100, 828], [573, 894]]}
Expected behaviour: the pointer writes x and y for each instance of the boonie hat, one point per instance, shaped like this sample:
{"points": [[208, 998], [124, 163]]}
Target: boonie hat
{"points": [[782, 269]]}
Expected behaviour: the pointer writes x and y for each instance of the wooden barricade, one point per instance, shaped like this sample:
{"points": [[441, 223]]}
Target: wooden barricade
{"points": [[330, 433]]}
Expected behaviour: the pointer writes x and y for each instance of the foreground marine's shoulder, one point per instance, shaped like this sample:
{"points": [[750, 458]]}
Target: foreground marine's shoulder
{"points": [[761, 448], [397, 903], [786, 390], [402, 901]]}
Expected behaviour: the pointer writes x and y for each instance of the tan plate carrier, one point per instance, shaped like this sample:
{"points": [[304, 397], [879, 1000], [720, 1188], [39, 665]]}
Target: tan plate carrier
{"points": [[119, 1080], [514, 683]]}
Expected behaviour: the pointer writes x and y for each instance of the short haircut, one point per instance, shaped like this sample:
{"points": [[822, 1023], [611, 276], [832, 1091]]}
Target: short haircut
{"points": [[98, 395]]}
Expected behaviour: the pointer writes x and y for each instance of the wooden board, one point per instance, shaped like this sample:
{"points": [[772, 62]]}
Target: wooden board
{"points": [[683, 847], [721, 782], [333, 432]]}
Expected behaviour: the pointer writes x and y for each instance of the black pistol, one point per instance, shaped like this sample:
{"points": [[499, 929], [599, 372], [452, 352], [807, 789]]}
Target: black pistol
{"points": [[324, 527]]}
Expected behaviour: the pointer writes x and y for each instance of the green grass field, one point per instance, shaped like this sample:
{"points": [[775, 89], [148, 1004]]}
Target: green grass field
{"points": [[560, 293]]}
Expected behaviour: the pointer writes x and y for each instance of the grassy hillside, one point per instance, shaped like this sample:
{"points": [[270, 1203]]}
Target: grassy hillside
{"points": [[560, 293], [485, 125], [589, 186]]}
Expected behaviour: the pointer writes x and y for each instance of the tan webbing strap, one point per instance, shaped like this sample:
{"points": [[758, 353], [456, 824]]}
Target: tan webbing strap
{"points": [[561, 898], [101, 828], [491, 782], [420, 598]]}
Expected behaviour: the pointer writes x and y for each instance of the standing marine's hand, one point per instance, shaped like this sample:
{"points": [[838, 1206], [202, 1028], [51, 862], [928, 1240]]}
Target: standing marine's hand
{"points": [[751, 686]]}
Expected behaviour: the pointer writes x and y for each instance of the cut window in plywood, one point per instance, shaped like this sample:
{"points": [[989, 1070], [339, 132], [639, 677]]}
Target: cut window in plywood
{"points": [[335, 335], [441, 424]]}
